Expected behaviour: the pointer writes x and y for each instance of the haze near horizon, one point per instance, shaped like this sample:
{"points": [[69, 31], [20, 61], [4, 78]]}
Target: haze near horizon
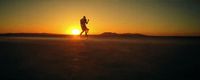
{"points": [[150, 17]]}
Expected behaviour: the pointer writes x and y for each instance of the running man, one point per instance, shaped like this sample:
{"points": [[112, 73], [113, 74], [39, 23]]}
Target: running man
{"points": [[84, 28]]}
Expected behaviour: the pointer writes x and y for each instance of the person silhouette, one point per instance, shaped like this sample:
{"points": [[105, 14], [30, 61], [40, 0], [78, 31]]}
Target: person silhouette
{"points": [[84, 28]]}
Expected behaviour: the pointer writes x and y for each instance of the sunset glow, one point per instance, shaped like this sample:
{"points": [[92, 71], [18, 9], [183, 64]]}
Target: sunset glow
{"points": [[75, 32], [151, 17]]}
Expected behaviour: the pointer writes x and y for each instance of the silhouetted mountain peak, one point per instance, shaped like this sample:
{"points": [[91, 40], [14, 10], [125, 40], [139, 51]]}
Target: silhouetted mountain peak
{"points": [[112, 34], [109, 34]]}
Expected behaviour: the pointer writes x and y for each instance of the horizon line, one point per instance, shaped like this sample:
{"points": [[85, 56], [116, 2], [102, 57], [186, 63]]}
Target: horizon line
{"points": [[99, 34]]}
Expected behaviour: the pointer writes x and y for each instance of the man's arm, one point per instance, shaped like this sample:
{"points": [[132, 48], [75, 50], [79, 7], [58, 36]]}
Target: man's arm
{"points": [[87, 21]]}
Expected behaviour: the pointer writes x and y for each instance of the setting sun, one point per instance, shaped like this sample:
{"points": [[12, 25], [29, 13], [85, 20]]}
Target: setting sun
{"points": [[75, 32]]}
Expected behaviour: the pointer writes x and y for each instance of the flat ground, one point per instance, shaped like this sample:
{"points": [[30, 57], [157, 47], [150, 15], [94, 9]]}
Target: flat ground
{"points": [[99, 59]]}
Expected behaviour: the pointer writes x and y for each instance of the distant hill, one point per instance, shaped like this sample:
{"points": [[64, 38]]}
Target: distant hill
{"points": [[111, 34], [103, 35]]}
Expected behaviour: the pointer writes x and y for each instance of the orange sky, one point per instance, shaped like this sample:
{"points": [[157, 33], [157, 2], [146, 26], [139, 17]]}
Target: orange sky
{"points": [[156, 17]]}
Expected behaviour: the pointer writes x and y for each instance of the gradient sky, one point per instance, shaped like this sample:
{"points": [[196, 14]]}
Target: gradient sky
{"points": [[151, 17]]}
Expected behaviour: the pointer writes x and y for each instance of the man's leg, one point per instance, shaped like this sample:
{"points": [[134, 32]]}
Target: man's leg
{"points": [[86, 31], [81, 32]]}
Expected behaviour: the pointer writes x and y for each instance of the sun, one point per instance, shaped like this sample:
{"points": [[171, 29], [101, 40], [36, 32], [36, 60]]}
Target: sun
{"points": [[75, 32]]}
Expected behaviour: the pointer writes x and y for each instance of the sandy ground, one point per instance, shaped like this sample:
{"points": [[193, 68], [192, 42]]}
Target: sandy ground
{"points": [[99, 59]]}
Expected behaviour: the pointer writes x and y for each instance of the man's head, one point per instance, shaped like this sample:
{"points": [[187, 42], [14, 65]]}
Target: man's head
{"points": [[84, 17]]}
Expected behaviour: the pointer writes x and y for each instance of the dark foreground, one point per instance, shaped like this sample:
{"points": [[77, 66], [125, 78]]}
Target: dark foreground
{"points": [[99, 59]]}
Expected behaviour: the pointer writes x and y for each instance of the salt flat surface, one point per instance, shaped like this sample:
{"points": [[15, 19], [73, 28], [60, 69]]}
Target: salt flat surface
{"points": [[99, 59]]}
